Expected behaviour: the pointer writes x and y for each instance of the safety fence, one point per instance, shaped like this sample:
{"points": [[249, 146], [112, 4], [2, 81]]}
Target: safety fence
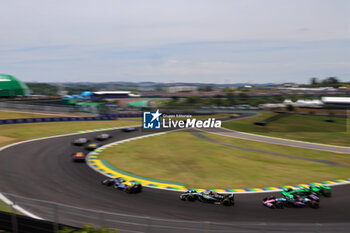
{"points": [[56, 214], [38, 108], [56, 119], [12, 222]]}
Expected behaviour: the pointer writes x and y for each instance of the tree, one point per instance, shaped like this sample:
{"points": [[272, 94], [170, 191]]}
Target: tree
{"points": [[192, 100], [313, 81], [290, 107], [331, 80], [43, 89], [231, 98], [218, 101], [206, 88]]}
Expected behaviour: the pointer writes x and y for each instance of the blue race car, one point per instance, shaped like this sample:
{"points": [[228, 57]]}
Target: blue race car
{"points": [[123, 184]]}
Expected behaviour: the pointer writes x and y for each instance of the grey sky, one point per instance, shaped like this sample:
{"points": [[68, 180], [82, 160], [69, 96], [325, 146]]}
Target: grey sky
{"points": [[221, 41]]}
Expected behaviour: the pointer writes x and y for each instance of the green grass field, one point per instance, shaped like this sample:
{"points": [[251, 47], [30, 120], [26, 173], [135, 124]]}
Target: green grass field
{"points": [[184, 158], [298, 127], [287, 150], [4, 207], [19, 132]]}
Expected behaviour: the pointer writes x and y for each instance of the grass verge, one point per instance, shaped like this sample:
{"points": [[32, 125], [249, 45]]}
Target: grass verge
{"points": [[19, 132], [181, 157], [4, 207], [298, 127]]}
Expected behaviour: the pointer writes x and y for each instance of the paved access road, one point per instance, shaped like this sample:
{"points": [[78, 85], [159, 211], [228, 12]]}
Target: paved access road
{"points": [[44, 170]]}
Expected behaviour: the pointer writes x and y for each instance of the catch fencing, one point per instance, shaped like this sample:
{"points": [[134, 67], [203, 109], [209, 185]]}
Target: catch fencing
{"points": [[56, 119], [58, 214], [39, 108]]}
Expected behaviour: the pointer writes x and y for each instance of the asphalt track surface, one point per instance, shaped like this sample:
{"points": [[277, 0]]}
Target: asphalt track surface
{"points": [[44, 170]]}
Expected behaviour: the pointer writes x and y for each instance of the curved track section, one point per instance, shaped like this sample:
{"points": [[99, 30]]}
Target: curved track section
{"points": [[44, 170]]}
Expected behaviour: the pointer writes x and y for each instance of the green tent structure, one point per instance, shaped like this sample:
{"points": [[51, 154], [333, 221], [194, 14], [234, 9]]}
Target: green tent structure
{"points": [[142, 103], [11, 86]]}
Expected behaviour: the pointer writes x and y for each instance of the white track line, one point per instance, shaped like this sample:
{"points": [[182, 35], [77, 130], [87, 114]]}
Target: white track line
{"points": [[17, 207]]}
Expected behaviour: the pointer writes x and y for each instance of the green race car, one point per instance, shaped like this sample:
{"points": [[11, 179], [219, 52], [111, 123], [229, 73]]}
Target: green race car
{"points": [[321, 190], [311, 190]]}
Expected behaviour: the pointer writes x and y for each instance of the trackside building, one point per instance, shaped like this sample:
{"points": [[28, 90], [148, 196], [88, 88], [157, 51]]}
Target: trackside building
{"points": [[11, 86], [337, 102]]}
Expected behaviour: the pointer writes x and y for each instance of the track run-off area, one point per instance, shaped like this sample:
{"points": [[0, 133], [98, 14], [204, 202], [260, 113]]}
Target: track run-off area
{"points": [[43, 169]]}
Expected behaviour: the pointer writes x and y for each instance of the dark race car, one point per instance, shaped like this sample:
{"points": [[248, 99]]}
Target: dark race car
{"points": [[102, 137], [190, 196], [129, 129], [211, 197], [93, 146], [302, 201], [295, 201], [273, 202], [122, 184], [80, 141], [78, 157], [321, 190]]}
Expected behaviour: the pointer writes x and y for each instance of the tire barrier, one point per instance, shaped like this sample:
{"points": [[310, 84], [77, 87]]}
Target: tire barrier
{"points": [[11, 222]]}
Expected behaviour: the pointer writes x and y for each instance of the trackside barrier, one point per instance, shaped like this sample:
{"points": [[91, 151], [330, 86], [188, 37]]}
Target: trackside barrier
{"points": [[56, 119], [11, 222], [40, 108], [59, 215]]}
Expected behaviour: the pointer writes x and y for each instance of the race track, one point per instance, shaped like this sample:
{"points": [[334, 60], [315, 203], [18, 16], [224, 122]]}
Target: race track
{"points": [[44, 170]]}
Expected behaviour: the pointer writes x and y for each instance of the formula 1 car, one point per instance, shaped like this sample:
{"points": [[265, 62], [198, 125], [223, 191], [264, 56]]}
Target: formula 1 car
{"points": [[290, 193], [190, 196], [80, 141], [273, 202], [122, 184], [129, 129], [93, 146], [102, 137], [297, 201], [315, 190], [78, 157], [321, 190], [302, 201], [211, 197]]}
